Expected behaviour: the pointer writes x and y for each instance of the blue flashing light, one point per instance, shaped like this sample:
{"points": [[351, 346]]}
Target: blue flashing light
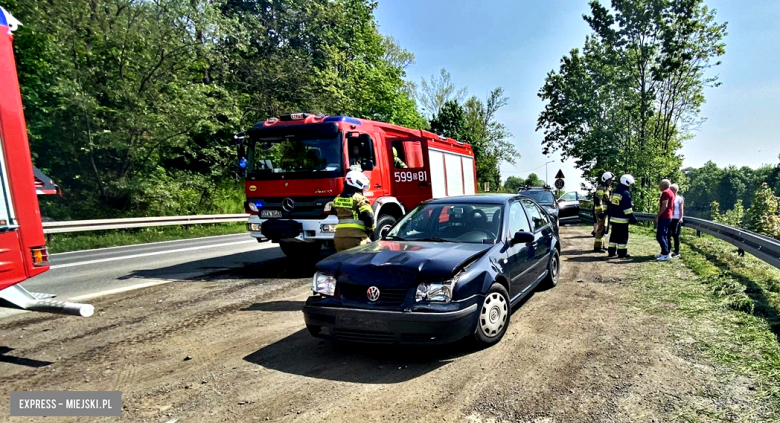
{"points": [[7, 20], [259, 204], [242, 163], [346, 119]]}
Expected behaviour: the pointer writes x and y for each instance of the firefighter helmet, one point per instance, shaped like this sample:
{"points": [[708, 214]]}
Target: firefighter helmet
{"points": [[395, 152], [357, 179], [627, 180], [607, 176]]}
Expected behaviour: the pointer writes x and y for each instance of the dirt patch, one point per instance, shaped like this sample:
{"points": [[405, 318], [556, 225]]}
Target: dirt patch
{"points": [[578, 352]]}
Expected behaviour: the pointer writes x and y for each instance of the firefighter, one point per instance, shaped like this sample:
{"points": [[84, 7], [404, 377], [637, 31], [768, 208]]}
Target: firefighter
{"points": [[356, 219], [601, 208], [399, 164], [621, 213]]}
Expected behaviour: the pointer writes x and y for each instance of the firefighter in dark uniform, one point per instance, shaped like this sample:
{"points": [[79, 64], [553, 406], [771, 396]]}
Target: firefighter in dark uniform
{"points": [[356, 219], [601, 208], [621, 213]]}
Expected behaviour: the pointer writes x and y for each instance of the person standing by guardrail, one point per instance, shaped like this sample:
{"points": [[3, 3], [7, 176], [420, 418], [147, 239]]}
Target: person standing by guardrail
{"points": [[600, 209], [677, 220], [621, 213], [663, 219]]}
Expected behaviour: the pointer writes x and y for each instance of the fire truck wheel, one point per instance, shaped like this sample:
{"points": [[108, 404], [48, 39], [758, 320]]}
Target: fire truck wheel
{"points": [[300, 250], [383, 225]]}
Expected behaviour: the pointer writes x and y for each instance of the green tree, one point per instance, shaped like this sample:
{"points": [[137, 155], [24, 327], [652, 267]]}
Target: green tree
{"points": [[630, 97], [513, 184], [763, 216], [533, 181], [433, 94]]}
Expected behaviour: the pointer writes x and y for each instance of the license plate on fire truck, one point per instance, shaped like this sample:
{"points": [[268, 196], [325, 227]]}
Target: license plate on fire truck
{"points": [[270, 214]]}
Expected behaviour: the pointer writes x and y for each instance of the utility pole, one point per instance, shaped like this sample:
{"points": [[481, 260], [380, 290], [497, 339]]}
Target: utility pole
{"points": [[545, 171]]}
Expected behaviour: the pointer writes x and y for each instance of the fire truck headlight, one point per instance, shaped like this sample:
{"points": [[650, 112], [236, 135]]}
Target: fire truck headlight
{"points": [[252, 206], [328, 228]]}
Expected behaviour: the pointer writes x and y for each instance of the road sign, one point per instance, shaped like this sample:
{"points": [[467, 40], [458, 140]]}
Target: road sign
{"points": [[487, 187], [559, 175], [559, 183]]}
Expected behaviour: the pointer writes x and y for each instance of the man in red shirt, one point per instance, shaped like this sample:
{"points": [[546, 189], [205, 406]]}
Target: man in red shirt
{"points": [[663, 219]]}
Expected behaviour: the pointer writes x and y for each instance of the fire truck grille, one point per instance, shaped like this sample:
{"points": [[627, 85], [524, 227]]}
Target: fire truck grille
{"points": [[305, 207]]}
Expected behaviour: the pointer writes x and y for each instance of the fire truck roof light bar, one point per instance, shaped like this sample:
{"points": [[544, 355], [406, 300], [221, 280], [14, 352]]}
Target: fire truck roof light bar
{"points": [[346, 119]]}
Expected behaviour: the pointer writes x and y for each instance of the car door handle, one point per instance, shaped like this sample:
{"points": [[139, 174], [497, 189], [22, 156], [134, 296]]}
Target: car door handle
{"points": [[425, 184]]}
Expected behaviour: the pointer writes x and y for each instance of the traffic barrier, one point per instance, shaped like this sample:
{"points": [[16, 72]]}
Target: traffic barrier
{"points": [[138, 222]]}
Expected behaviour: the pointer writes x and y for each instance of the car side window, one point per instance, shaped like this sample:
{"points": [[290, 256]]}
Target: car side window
{"points": [[569, 196], [535, 215], [517, 219]]}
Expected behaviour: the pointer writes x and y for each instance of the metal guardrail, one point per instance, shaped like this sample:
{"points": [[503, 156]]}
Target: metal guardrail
{"points": [[138, 222], [763, 247]]}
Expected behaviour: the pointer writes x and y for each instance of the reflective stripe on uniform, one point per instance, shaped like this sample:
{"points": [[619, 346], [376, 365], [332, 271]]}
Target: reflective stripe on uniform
{"points": [[599, 193], [616, 198], [612, 244], [343, 202], [349, 223], [628, 211], [622, 246], [618, 220], [365, 208]]}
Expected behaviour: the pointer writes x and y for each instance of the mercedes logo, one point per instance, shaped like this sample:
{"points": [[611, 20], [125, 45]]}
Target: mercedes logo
{"points": [[288, 204], [373, 293]]}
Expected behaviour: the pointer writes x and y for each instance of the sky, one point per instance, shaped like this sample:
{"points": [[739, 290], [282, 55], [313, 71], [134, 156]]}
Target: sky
{"points": [[514, 44]]}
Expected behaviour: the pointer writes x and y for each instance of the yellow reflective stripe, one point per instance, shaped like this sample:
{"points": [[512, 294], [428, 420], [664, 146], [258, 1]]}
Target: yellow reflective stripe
{"points": [[343, 202], [365, 209], [599, 193], [618, 220], [622, 247], [613, 244], [360, 226], [628, 211]]}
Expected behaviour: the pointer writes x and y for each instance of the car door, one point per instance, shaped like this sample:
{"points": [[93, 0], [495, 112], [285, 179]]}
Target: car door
{"points": [[568, 205], [542, 229], [520, 257]]}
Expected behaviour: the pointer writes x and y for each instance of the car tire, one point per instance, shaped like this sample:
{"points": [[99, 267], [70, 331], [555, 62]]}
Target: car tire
{"points": [[553, 271], [301, 250], [493, 319], [383, 225]]}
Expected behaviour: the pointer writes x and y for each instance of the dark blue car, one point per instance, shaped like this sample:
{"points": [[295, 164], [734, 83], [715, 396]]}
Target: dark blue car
{"points": [[450, 269]]}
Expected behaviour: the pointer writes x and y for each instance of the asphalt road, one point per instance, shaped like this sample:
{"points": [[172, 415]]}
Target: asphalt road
{"points": [[81, 275]]}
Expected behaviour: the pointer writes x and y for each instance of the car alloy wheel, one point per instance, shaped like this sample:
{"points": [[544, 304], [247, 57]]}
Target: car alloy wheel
{"points": [[494, 314]]}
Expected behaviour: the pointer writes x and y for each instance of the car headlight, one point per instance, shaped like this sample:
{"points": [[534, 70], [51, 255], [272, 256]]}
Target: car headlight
{"points": [[323, 284], [436, 291]]}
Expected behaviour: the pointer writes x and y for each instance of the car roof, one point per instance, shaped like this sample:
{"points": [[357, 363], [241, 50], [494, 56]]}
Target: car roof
{"points": [[475, 199]]}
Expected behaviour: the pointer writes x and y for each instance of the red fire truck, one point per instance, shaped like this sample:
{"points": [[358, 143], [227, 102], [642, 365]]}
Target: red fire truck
{"points": [[295, 165], [23, 251]]}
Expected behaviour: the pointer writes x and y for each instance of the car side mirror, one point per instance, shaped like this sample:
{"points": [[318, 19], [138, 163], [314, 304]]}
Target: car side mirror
{"points": [[522, 237]]}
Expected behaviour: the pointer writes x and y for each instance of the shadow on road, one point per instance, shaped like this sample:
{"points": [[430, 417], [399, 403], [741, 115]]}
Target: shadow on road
{"points": [[302, 354], [261, 264], [276, 306], [21, 361], [587, 259], [576, 252]]}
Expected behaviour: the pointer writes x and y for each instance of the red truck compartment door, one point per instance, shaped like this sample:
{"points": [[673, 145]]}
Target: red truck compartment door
{"points": [[11, 261], [412, 184]]}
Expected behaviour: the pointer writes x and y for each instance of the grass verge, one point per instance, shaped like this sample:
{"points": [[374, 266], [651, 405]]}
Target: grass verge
{"points": [[60, 243], [723, 305]]}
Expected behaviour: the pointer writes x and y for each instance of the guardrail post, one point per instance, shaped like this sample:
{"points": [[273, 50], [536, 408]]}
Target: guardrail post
{"points": [[741, 252], [698, 233]]}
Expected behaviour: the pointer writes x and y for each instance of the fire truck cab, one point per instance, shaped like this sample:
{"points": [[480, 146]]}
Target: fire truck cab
{"points": [[295, 166]]}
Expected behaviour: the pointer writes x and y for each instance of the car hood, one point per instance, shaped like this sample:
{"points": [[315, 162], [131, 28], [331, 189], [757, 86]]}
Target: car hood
{"points": [[400, 264]]}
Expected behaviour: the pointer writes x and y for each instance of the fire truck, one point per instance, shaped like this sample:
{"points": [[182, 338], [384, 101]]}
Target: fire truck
{"points": [[23, 253], [294, 166]]}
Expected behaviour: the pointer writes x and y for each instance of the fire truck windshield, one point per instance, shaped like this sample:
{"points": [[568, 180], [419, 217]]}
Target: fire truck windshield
{"points": [[296, 157]]}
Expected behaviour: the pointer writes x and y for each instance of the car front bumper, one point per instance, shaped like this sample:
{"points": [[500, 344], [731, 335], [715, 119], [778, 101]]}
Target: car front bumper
{"points": [[392, 327], [311, 229]]}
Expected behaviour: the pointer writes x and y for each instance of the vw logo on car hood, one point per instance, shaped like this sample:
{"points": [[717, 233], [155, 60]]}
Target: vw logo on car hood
{"points": [[372, 293], [288, 204]]}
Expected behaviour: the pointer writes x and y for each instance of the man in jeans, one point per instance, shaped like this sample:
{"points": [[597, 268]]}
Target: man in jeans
{"points": [[663, 219], [677, 220]]}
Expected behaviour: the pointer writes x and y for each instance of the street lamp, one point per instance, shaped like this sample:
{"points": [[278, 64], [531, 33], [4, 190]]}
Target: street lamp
{"points": [[545, 171]]}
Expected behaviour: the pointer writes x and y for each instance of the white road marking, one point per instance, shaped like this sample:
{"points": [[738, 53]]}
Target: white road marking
{"points": [[156, 253], [122, 289], [147, 244]]}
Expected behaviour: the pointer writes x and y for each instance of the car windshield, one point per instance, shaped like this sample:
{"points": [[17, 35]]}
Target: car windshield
{"points": [[541, 197], [468, 223], [288, 155]]}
